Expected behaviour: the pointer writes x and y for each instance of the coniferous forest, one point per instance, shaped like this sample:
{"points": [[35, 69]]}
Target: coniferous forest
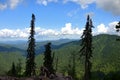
{"points": [[89, 58]]}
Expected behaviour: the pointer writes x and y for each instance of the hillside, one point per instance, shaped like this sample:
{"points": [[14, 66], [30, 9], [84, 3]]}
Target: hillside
{"points": [[8, 48], [106, 56], [6, 60]]}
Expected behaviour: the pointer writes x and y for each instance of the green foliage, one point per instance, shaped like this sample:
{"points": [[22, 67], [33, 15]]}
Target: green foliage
{"points": [[7, 58], [106, 50]]}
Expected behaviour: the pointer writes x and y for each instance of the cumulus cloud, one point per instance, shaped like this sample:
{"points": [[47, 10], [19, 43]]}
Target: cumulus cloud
{"points": [[107, 5], [8, 33], [84, 3], [10, 4], [3, 6], [65, 32], [13, 3], [102, 28], [68, 31], [106, 29], [45, 2]]}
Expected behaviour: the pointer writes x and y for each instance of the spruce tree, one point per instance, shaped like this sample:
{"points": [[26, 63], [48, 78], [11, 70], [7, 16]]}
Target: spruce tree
{"points": [[30, 63], [12, 71], [48, 59], [19, 68], [56, 64], [72, 65], [86, 50]]}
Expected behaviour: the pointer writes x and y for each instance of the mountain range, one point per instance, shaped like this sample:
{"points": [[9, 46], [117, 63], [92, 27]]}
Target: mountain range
{"points": [[106, 54]]}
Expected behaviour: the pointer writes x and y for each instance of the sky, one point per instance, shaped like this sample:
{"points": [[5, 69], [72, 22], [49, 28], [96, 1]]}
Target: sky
{"points": [[56, 19]]}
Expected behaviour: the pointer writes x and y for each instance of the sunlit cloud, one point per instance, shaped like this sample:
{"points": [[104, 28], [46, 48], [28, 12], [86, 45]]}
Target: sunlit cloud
{"points": [[83, 3], [14, 3], [3, 6], [106, 29], [107, 5], [45, 2], [10, 4], [68, 31]]}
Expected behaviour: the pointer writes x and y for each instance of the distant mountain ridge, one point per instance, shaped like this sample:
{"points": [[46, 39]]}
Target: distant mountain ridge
{"points": [[22, 46], [56, 44], [10, 49], [106, 54]]}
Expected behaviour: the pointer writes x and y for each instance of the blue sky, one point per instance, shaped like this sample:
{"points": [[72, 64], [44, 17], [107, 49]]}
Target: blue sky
{"points": [[57, 18]]}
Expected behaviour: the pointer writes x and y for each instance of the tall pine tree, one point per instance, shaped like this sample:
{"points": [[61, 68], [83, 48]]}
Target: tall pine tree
{"points": [[48, 59], [86, 49], [30, 63]]}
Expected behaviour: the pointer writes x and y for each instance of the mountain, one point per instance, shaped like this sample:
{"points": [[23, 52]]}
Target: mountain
{"points": [[105, 60], [7, 48], [21, 46], [55, 45], [6, 60]]}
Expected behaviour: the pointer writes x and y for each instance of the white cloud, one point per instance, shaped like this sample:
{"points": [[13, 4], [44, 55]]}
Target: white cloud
{"points": [[106, 29], [8, 33], [109, 5], [84, 3], [45, 2], [65, 32], [3, 6], [102, 28], [10, 4], [111, 27], [14, 3], [68, 31]]}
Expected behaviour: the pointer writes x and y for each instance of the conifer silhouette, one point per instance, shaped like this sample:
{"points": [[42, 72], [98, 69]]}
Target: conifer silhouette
{"points": [[48, 59], [19, 67], [12, 71], [72, 65], [30, 63], [86, 49]]}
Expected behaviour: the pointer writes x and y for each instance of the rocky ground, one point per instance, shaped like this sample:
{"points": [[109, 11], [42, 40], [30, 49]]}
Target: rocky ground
{"points": [[59, 77], [36, 78]]}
